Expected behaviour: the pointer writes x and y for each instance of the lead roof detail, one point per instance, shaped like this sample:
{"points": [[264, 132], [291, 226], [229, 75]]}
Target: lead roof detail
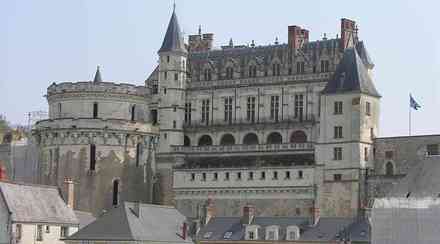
{"points": [[351, 75]]}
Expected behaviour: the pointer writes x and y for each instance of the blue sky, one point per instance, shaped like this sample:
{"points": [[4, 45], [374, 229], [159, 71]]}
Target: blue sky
{"points": [[49, 41]]}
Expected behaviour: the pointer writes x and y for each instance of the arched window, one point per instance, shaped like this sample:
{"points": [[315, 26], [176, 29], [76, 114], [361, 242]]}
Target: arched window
{"points": [[274, 138], [227, 139], [186, 141], [298, 137], [205, 140], [389, 169], [276, 69], [115, 201], [250, 139]]}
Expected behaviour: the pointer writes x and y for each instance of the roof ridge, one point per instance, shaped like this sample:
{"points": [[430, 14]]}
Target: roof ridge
{"points": [[21, 183]]}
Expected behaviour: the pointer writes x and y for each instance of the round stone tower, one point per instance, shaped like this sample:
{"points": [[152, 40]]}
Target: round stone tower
{"points": [[98, 135]]}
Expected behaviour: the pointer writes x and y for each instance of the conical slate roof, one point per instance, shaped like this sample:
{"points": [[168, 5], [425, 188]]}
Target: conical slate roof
{"points": [[173, 40], [97, 76], [351, 76]]}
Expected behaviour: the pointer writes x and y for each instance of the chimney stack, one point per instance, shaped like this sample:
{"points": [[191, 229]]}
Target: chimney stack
{"points": [[349, 33], [208, 211], [297, 37], [314, 216], [248, 214], [70, 192]]}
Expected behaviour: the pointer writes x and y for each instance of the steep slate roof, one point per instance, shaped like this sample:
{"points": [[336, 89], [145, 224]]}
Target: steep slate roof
{"points": [[97, 76], [173, 40], [351, 76], [84, 218], [36, 204], [422, 180], [156, 223], [326, 229]]}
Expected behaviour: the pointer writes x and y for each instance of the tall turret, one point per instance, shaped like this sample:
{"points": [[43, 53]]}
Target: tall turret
{"points": [[172, 84], [348, 125]]}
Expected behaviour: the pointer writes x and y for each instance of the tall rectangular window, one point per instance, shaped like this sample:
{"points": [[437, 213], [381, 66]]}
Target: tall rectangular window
{"points": [[138, 154], [274, 107], [368, 108], [95, 110], [338, 132], [205, 111], [337, 153], [133, 112], [300, 68], [299, 106], [18, 232], [325, 66], [228, 109], [250, 109], [59, 110], [64, 231], [366, 153], [92, 157], [154, 116], [39, 233], [338, 107], [155, 88], [188, 113], [276, 69]]}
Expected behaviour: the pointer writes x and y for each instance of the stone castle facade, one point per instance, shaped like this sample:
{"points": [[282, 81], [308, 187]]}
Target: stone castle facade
{"points": [[290, 128]]}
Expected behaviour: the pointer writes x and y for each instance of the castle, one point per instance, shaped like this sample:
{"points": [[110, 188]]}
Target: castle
{"points": [[290, 128]]}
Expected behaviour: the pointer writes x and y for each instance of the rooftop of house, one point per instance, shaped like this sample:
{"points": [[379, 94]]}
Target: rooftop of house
{"points": [[136, 222], [36, 204], [327, 228]]}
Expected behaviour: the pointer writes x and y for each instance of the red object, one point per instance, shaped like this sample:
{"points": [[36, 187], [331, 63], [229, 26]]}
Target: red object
{"points": [[3, 175]]}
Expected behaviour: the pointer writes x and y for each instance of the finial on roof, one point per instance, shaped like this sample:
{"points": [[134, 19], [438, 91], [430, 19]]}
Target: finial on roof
{"points": [[253, 43], [231, 43], [174, 6], [276, 41], [97, 75], [325, 36], [200, 29]]}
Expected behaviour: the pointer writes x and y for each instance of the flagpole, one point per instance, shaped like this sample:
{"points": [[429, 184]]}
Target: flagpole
{"points": [[409, 122]]}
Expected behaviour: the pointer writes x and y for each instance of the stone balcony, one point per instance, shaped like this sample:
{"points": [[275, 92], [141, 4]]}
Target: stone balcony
{"points": [[273, 80], [243, 150]]}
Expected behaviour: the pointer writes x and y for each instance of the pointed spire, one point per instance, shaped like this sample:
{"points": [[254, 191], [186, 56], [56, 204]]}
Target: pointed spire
{"points": [[173, 40], [231, 43], [276, 41], [97, 75], [200, 29]]}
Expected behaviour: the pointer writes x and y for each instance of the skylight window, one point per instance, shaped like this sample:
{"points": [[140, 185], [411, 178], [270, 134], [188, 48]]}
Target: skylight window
{"points": [[227, 235]]}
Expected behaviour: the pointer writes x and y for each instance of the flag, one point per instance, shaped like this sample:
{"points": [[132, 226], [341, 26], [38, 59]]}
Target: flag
{"points": [[412, 103]]}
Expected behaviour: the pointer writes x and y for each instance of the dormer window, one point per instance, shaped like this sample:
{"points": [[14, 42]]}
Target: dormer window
{"points": [[251, 232], [252, 71], [272, 232], [292, 233], [227, 235]]}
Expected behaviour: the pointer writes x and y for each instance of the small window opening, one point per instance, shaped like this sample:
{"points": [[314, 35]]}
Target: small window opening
{"points": [[115, 192], [92, 157], [95, 110]]}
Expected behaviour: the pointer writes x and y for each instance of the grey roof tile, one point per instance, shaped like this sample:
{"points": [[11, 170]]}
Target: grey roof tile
{"points": [[36, 204], [351, 76], [328, 228], [173, 40], [156, 223], [84, 218]]}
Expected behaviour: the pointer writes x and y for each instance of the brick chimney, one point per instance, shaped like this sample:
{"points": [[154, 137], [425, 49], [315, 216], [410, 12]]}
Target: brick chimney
{"points": [[297, 37], [248, 214], [70, 192], [349, 33]]}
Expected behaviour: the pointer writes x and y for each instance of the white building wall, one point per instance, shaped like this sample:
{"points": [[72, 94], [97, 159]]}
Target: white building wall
{"points": [[29, 234]]}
